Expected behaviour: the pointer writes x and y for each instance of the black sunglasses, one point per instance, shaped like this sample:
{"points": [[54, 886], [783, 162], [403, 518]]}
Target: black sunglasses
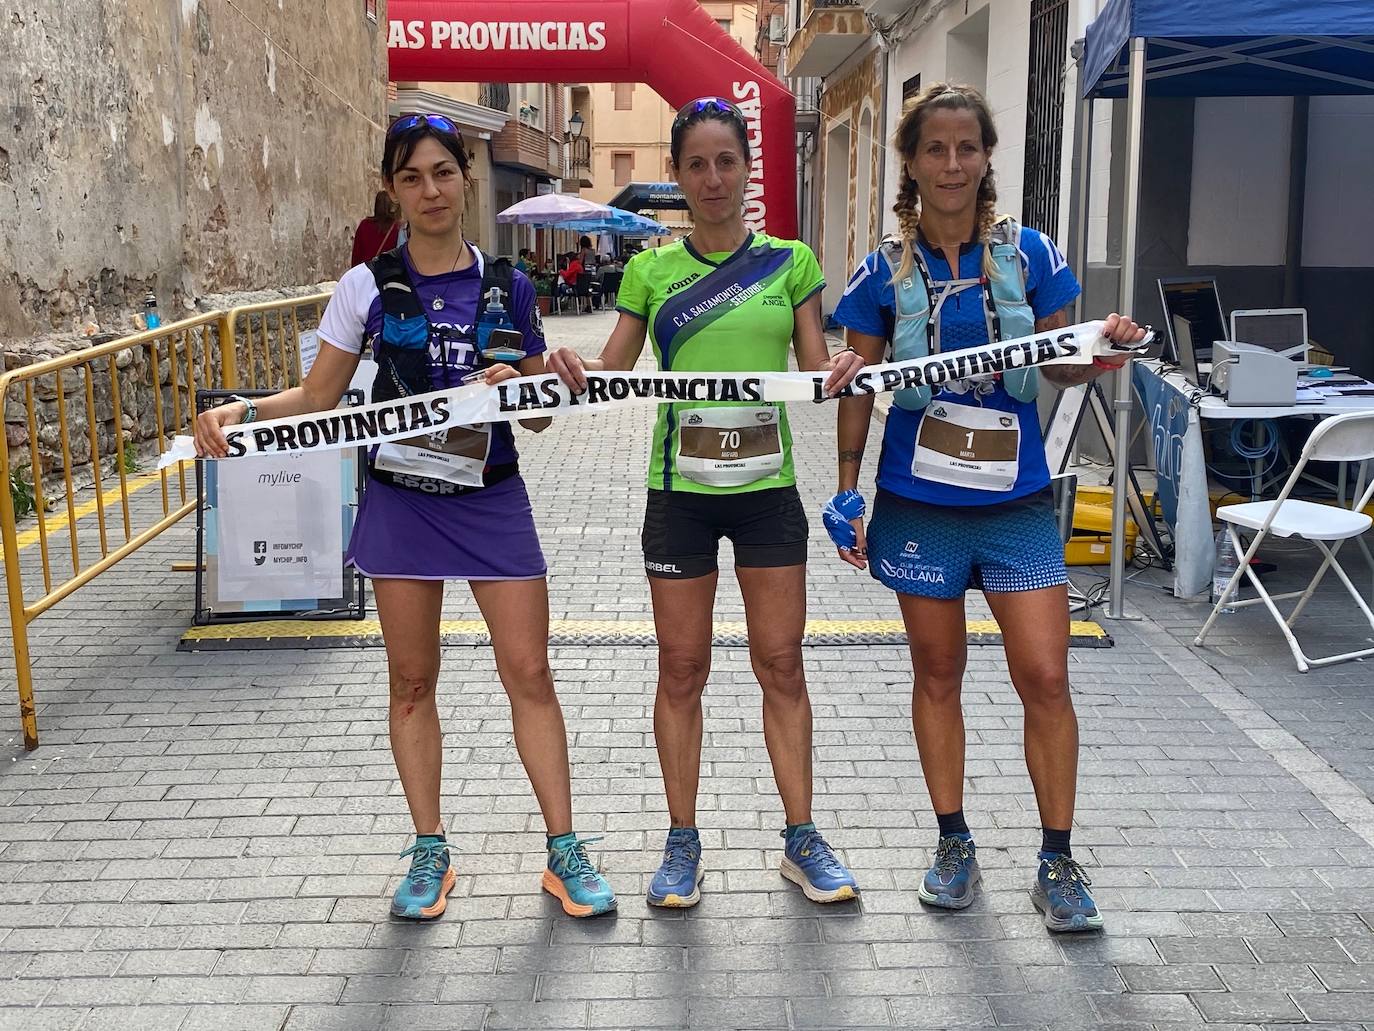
{"points": [[409, 122], [701, 106]]}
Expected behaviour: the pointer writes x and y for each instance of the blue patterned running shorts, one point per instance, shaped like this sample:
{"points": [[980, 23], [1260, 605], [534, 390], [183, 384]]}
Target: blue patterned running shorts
{"points": [[940, 551]]}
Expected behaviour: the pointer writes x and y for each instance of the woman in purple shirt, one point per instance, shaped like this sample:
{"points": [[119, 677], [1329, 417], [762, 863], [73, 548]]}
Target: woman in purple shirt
{"points": [[477, 526]]}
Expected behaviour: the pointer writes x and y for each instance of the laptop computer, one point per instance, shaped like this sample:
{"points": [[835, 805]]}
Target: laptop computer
{"points": [[1279, 329], [1192, 301], [1182, 333]]}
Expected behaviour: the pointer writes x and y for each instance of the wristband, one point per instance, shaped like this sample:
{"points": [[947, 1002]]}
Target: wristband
{"points": [[252, 412], [1099, 363], [836, 516]]}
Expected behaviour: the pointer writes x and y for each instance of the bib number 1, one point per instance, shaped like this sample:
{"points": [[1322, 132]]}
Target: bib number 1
{"points": [[968, 446]]}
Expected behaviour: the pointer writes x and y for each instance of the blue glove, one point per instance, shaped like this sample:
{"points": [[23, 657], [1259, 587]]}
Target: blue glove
{"points": [[836, 515]]}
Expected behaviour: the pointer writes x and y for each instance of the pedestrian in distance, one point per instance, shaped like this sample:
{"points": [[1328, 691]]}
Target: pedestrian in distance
{"points": [[724, 469], [448, 506], [963, 498], [378, 232]]}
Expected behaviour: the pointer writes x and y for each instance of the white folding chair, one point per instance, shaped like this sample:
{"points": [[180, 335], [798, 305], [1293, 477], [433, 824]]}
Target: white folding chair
{"points": [[1344, 438]]}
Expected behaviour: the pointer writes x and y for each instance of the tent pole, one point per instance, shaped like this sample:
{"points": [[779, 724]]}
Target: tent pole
{"points": [[1079, 208], [1135, 121], [1297, 202]]}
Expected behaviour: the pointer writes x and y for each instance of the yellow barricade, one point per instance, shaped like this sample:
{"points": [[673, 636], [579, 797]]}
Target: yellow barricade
{"points": [[262, 353], [76, 417]]}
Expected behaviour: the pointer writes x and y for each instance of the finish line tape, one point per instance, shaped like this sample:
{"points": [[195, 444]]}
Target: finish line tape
{"points": [[546, 395]]}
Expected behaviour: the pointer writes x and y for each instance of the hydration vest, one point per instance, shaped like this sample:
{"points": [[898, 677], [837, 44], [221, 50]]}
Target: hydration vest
{"points": [[402, 347], [1005, 308]]}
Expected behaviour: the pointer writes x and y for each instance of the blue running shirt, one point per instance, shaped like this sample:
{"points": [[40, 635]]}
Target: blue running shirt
{"points": [[868, 306]]}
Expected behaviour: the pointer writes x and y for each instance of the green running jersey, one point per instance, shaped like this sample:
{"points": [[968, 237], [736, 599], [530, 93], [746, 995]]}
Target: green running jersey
{"points": [[721, 313]]}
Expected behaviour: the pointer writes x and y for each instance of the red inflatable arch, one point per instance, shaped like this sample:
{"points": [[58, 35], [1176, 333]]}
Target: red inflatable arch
{"points": [[673, 46]]}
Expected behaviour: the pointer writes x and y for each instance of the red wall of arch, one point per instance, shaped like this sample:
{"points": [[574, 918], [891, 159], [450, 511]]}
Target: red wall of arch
{"points": [[672, 46]]}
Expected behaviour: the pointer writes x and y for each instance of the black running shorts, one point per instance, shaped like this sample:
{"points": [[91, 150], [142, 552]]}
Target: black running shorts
{"points": [[682, 530]]}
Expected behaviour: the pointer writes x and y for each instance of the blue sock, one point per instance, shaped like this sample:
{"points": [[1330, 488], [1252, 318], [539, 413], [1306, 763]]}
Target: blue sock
{"points": [[553, 839], [793, 829]]}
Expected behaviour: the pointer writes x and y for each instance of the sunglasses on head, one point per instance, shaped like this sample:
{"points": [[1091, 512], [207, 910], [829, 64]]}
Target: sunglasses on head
{"points": [[421, 121], [701, 106]]}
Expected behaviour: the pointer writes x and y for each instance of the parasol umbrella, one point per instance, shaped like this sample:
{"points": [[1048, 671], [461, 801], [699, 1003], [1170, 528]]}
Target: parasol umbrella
{"points": [[552, 209]]}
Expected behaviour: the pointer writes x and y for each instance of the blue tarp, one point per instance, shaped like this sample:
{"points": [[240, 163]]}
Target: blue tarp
{"points": [[1231, 48]]}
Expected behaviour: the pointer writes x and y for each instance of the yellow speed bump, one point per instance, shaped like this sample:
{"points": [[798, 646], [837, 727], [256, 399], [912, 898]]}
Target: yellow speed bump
{"points": [[367, 633]]}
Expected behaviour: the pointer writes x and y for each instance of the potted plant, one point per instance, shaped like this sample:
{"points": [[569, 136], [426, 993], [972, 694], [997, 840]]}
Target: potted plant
{"points": [[543, 291]]}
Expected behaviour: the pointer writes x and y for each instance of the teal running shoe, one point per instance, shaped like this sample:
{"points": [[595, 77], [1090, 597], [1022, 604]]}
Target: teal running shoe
{"points": [[423, 895], [810, 862], [949, 881], [1061, 895], [571, 878], [677, 884]]}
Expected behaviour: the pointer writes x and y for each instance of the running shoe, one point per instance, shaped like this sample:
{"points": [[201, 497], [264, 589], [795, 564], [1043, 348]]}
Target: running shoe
{"points": [[809, 861], [423, 894], [949, 881], [571, 878], [1061, 895], [677, 884]]}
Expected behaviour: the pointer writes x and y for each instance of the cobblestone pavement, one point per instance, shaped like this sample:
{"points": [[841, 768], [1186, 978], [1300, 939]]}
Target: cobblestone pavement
{"points": [[209, 840]]}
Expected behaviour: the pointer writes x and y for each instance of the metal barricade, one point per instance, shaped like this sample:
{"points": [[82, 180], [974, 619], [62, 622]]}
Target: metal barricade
{"points": [[260, 355], [71, 421]]}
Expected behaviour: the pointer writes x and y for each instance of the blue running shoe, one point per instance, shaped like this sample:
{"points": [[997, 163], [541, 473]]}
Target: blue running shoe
{"points": [[423, 894], [809, 861], [677, 884], [1061, 895], [571, 878], [949, 881]]}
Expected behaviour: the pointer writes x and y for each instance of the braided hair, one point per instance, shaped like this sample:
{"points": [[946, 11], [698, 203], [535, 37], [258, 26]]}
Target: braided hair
{"points": [[951, 97]]}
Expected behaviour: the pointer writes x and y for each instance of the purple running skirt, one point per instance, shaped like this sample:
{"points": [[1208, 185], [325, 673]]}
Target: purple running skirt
{"points": [[487, 535]]}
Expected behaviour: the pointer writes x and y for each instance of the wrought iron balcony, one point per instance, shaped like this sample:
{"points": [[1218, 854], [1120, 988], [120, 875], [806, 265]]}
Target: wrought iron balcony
{"points": [[579, 155], [495, 95]]}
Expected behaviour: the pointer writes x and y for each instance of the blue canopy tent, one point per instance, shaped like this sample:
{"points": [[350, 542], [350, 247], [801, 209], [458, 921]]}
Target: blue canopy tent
{"points": [[1203, 48]]}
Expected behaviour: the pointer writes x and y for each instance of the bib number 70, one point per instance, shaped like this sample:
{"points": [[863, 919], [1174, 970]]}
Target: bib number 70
{"points": [[729, 440]]}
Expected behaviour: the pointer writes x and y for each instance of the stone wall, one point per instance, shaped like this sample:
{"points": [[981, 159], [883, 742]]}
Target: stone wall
{"points": [[185, 146], [153, 404]]}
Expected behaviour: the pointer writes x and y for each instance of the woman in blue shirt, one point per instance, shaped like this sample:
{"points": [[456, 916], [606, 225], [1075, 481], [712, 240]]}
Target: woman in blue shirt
{"points": [[963, 486]]}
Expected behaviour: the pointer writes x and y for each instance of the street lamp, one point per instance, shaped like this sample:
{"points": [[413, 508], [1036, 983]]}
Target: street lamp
{"points": [[575, 124]]}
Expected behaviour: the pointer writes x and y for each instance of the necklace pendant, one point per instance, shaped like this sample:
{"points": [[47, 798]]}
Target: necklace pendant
{"points": [[438, 304]]}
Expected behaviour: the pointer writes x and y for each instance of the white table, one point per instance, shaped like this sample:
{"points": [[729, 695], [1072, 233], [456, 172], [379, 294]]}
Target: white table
{"points": [[1214, 407]]}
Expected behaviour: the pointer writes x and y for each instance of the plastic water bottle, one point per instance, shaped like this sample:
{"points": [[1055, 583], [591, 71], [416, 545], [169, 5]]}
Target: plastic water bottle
{"points": [[150, 316], [1224, 566]]}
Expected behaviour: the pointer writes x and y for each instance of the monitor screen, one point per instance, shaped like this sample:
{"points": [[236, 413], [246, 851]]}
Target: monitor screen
{"points": [[1277, 330], [1195, 302]]}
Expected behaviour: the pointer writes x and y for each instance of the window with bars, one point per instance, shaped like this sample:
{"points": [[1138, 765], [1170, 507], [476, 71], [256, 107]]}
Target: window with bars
{"points": [[1049, 54]]}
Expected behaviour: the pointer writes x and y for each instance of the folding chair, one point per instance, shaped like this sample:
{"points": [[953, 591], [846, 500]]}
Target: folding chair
{"points": [[1343, 438]]}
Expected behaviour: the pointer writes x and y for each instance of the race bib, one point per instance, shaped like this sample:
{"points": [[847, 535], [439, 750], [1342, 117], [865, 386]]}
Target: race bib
{"points": [[457, 455], [967, 446], [729, 447]]}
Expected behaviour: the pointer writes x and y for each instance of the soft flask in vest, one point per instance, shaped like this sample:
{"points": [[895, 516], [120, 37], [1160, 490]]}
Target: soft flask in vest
{"points": [[497, 338]]}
